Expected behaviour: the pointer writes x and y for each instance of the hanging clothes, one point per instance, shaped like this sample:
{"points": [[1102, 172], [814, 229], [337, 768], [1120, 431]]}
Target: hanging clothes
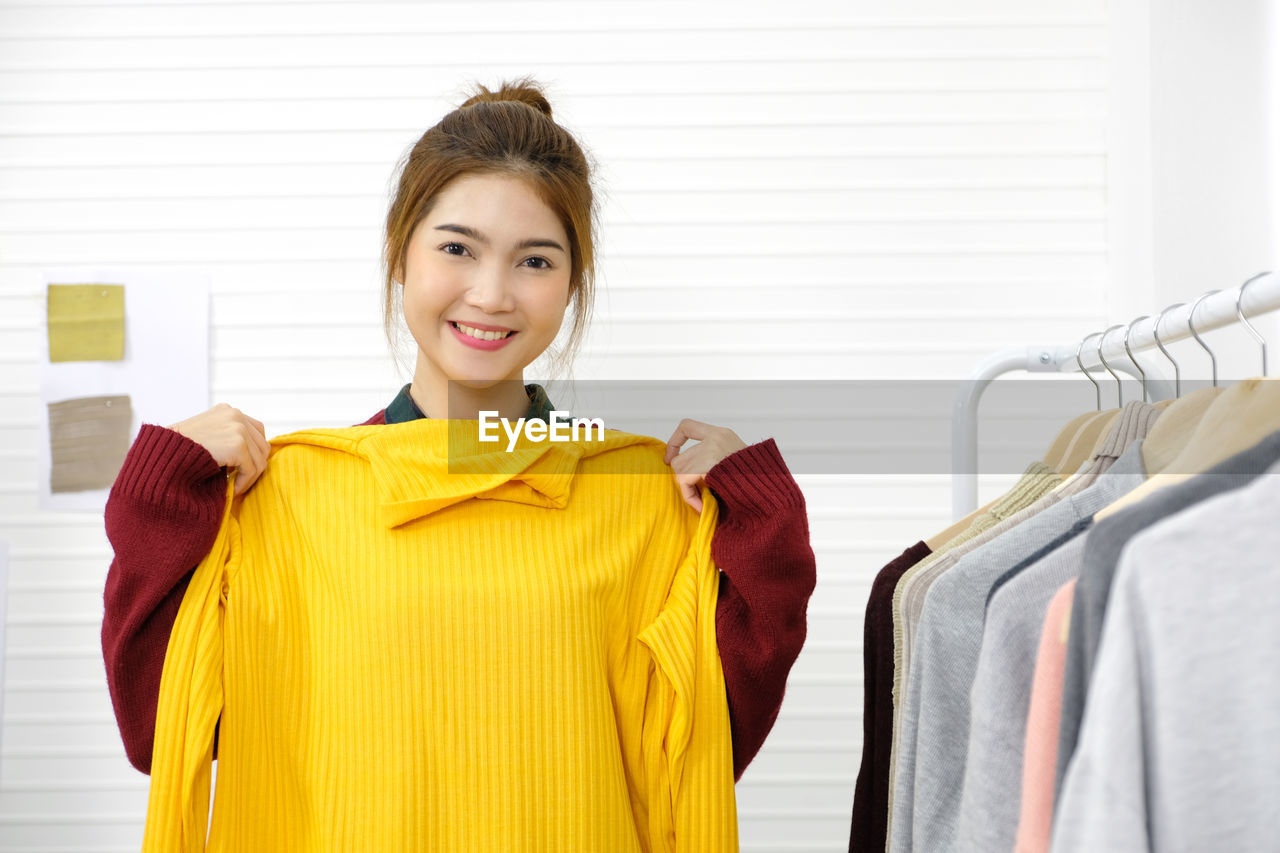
{"points": [[1032, 492], [1035, 492], [871, 792], [1004, 650], [1180, 740], [1040, 747], [1036, 481], [1000, 698], [1102, 556], [932, 740], [1133, 422]]}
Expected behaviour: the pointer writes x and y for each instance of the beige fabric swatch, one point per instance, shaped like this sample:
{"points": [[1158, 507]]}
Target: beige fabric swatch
{"points": [[86, 322], [88, 440]]}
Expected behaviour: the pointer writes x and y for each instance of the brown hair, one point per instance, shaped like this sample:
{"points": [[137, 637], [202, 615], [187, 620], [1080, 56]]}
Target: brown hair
{"points": [[509, 131]]}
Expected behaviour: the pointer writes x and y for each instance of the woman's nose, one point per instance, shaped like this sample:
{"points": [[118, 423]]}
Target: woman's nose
{"points": [[491, 290]]}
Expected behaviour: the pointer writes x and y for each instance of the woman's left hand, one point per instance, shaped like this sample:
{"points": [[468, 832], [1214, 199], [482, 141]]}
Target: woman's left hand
{"points": [[691, 466]]}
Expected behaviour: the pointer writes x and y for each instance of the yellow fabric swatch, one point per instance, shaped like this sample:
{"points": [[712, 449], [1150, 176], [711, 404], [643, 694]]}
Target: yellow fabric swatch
{"points": [[518, 656], [86, 322]]}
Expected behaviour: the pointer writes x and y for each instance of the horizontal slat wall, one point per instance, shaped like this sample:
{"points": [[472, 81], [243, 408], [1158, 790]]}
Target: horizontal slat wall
{"points": [[844, 190]]}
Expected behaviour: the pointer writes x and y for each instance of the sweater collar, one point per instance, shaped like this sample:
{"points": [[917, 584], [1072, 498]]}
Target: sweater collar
{"points": [[425, 465], [403, 408]]}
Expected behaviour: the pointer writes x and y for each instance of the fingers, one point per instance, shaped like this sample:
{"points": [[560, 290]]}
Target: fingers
{"points": [[254, 449], [251, 469], [255, 458], [685, 430], [246, 446], [691, 492], [234, 440], [693, 460], [243, 480], [257, 441]]}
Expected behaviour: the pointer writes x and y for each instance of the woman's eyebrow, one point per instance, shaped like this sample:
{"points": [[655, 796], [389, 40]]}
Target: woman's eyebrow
{"points": [[468, 231], [535, 243]]}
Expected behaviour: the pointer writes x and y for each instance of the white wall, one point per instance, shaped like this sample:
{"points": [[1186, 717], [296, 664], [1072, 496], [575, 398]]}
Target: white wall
{"points": [[843, 190], [1195, 175]]}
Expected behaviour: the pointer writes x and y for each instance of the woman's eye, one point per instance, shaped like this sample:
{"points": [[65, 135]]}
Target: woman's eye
{"points": [[538, 263], [454, 249]]}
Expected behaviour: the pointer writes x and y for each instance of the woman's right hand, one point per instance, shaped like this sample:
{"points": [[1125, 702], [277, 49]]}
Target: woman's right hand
{"points": [[234, 439]]}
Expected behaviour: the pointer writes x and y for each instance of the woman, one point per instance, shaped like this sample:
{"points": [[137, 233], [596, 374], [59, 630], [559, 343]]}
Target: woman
{"points": [[489, 240]]}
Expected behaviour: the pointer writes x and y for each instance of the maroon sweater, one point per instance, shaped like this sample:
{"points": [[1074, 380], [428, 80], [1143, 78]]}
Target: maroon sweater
{"points": [[869, 827], [165, 508]]}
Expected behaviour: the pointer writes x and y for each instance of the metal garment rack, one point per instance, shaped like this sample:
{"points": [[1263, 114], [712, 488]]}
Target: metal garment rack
{"points": [[1213, 310]]}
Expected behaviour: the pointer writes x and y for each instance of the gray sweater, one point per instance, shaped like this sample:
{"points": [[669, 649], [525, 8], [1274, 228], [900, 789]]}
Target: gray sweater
{"points": [[991, 797], [934, 736], [1102, 552], [1180, 742]]}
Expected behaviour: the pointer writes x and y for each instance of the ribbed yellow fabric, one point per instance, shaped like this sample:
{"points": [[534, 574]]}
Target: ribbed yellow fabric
{"points": [[418, 643]]}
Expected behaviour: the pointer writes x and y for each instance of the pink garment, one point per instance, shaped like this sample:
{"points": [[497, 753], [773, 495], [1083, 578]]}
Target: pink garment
{"points": [[1040, 755]]}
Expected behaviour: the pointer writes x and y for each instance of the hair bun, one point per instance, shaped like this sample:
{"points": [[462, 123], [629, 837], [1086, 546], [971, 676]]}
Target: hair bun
{"points": [[524, 90]]}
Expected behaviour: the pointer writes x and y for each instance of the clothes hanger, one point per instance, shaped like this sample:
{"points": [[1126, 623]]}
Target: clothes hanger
{"points": [[1171, 431], [1056, 456], [1142, 374], [1101, 358], [1057, 452], [1262, 342], [1161, 405], [1237, 419], [1090, 437], [1079, 452], [1213, 362], [1070, 461], [1242, 415], [1155, 332]]}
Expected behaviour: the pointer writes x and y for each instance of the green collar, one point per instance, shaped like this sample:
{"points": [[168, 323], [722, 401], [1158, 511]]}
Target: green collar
{"points": [[403, 408]]}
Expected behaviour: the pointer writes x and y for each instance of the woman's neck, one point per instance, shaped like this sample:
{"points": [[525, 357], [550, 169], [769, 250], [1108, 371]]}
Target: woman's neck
{"points": [[445, 399]]}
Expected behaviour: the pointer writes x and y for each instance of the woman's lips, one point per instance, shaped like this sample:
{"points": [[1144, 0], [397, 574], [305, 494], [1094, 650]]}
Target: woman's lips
{"points": [[477, 343]]}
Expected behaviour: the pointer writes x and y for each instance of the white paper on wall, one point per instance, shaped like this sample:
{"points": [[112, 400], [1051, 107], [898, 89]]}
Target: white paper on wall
{"points": [[165, 370]]}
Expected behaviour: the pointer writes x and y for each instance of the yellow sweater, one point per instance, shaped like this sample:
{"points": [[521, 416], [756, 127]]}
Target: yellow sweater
{"points": [[417, 642]]}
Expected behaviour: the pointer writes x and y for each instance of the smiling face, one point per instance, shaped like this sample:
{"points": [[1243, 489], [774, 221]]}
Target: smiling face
{"points": [[486, 282]]}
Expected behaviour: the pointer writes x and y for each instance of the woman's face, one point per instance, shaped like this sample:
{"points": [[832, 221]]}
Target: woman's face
{"points": [[489, 257]]}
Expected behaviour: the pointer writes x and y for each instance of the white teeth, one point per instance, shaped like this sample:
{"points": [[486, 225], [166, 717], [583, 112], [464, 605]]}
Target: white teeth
{"points": [[480, 334]]}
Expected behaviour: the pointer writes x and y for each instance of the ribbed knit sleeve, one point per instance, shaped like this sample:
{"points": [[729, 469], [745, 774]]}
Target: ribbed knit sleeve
{"points": [[690, 805], [161, 517], [755, 481], [762, 546], [191, 698]]}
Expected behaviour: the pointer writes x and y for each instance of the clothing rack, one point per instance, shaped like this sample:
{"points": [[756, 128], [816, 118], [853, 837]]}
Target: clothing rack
{"points": [[1213, 310]]}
